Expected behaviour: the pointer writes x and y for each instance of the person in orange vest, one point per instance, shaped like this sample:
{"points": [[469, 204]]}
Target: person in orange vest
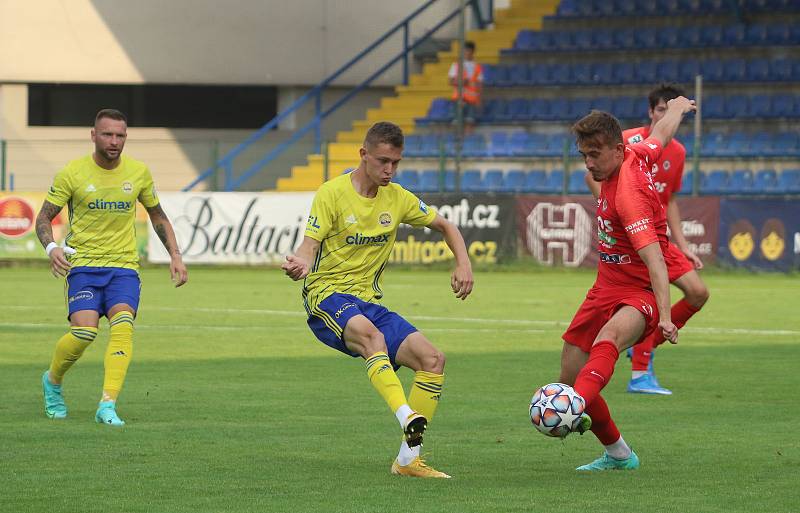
{"points": [[473, 84]]}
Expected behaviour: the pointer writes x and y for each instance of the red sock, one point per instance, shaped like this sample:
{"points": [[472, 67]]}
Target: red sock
{"points": [[598, 370], [641, 354], [681, 313], [603, 426]]}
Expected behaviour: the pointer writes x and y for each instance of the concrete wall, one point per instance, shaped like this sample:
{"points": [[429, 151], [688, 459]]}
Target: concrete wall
{"points": [[270, 42]]}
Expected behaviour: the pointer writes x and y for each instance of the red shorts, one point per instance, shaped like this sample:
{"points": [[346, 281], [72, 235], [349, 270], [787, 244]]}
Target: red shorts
{"points": [[600, 305], [677, 263]]}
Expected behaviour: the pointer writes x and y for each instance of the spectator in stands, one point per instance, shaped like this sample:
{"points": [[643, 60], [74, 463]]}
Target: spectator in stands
{"points": [[472, 85]]}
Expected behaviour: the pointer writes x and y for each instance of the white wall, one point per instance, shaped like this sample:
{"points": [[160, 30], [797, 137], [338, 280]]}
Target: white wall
{"points": [[275, 42]]}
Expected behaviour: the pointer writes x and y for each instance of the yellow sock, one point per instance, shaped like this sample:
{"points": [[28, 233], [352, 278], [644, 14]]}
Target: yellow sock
{"points": [[69, 348], [425, 392], [383, 378], [118, 354]]}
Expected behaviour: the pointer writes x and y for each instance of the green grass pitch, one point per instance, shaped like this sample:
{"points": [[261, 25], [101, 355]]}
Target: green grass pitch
{"points": [[233, 406]]}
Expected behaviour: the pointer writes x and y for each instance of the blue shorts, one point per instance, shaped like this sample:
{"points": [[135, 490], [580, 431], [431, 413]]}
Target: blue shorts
{"points": [[330, 317], [100, 288]]}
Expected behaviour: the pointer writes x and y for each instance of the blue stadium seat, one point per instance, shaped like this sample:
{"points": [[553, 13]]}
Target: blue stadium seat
{"points": [[602, 73], [756, 35], [686, 183], [645, 39], [604, 39], [493, 180], [780, 70], [691, 37], [539, 145], [441, 110], [562, 40], [535, 181], [714, 107], [712, 70], [413, 146], [518, 109], [603, 103], [501, 113], [583, 40], [713, 36], [713, 145], [539, 108], [625, 107], [736, 106], [779, 34], [765, 182], [475, 146], [429, 147], [646, 72], [735, 35], [560, 74], [623, 73], [582, 73], [577, 183], [471, 180], [735, 70], [789, 181], [668, 71], [760, 106], [555, 182], [498, 145], [783, 106], [428, 180], [514, 181], [741, 182], [759, 145], [500, 76], [518, 75], [624, 39], [714, 182], [408, 179], [555, 144], [520, 144], [578, 108], [688, 69], [785, 144], [758, 70], [559, 109], [668, 37]]}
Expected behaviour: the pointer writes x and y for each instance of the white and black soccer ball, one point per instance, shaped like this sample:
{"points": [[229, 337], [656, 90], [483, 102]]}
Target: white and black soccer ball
{"points": [[556, 409]]}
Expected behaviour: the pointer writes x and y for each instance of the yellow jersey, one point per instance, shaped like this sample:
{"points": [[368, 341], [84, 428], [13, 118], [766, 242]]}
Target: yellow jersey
{"points": [[102, 210], [356, 236]]}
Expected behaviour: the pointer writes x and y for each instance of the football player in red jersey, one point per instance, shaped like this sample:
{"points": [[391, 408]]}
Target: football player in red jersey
{"points": [[681, 261], [630, 298]]}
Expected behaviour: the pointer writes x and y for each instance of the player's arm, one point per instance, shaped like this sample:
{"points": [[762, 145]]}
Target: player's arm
{"points": [[666, 127], [659, 279], [59, 265], [461, 280], [594, 187], [676, 230], [166, 234], [298, 265]]}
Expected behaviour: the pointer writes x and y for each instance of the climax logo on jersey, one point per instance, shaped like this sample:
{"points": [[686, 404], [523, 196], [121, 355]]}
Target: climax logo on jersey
{"points": [[100, 204], [16, 217], [360, 239], [82, 294], [385, 219]]}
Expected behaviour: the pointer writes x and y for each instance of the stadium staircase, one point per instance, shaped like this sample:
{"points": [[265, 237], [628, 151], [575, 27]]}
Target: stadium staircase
{"points": [[412, 101]]}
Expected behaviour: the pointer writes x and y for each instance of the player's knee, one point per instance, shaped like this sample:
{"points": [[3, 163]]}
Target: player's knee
{"points": [[373, 342], [433, 361], [697, 296]]}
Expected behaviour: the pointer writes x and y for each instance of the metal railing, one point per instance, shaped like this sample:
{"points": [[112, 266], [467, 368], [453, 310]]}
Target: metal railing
{"points": [[226, 163]]}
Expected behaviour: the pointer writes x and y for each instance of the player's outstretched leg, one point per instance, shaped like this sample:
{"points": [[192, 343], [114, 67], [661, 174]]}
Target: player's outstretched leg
{"points": [[54, 406], [107, 414], [606, 462]]}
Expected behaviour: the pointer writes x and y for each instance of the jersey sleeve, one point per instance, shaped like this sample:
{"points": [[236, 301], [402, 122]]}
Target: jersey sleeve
{"points": [[147, 195], [61, 190], [415, 211], [636, 203], [648, 150], [321, 218]]}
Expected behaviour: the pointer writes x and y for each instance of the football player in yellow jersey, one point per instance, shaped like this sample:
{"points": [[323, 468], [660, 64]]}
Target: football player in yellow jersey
{"points": [[99, 258], [348, 239]]}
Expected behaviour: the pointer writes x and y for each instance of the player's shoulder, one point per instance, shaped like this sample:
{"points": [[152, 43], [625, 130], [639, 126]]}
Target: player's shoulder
{"points": [[633, 135], [133, 165]]}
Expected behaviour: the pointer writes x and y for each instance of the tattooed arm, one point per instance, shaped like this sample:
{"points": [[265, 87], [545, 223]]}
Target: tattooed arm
{"points": [[59, 265], [163, 229]]}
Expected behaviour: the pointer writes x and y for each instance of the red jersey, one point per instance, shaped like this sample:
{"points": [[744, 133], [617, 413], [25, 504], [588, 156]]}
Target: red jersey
{"points": [[667, 171], [629, 217]]}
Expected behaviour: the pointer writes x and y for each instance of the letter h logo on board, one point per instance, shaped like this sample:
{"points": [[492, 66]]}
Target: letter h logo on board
{"points": [[559, 233]]}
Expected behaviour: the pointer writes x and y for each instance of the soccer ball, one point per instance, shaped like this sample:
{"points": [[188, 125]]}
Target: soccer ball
{"points": [[556, 409]]}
